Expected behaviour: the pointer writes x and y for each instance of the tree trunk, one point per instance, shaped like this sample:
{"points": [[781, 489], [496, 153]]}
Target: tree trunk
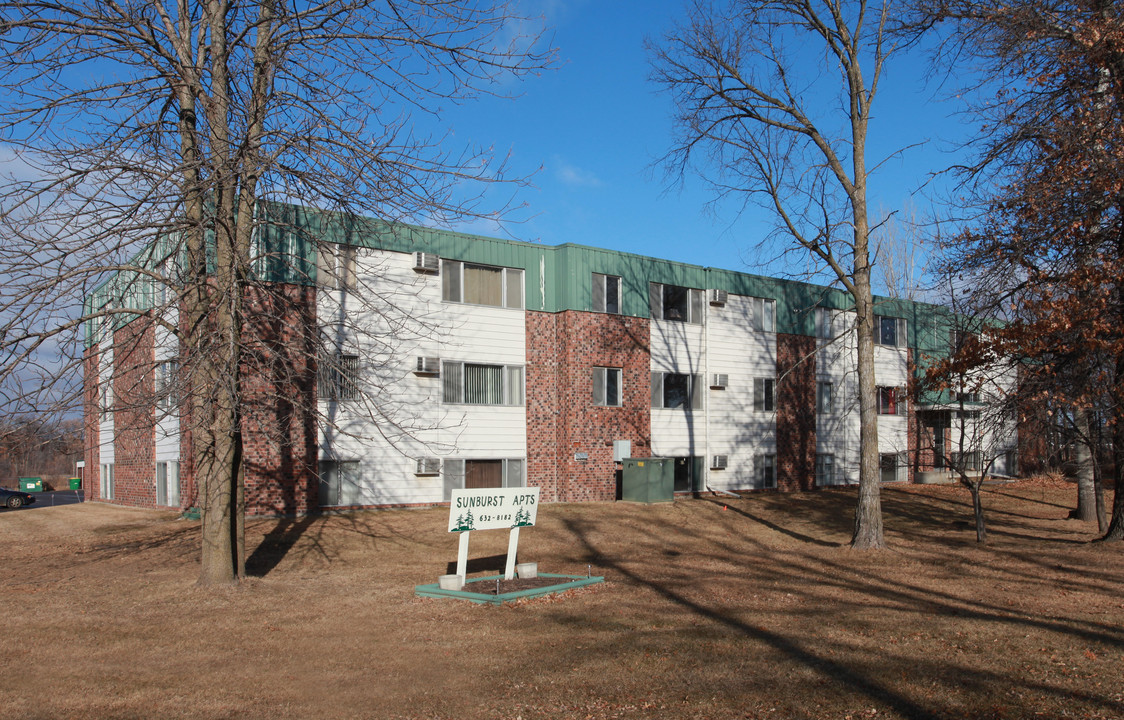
{"points": [[977, 509], [868, 512], [1084, 453]]}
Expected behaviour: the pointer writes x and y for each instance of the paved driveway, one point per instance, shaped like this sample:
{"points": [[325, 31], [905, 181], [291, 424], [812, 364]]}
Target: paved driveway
{"points": [[50, 499]]}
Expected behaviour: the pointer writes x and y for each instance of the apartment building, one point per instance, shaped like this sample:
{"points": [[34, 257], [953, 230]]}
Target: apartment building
{"points": [[388, 365]]}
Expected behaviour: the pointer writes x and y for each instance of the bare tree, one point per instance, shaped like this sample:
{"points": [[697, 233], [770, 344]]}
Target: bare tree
{"points": [[765, 121], [901, 253], [145, 138]]}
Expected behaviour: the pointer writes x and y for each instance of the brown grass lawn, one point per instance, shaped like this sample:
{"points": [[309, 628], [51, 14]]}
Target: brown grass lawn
{"points": [[714, 608]]}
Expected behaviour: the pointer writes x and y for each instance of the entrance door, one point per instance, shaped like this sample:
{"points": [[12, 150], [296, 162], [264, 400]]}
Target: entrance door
{"points": [[483, 474]]}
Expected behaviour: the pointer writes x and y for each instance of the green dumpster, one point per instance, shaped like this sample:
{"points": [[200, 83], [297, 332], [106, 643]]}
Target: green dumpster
{"points": [[75, 483], [31, 484]]}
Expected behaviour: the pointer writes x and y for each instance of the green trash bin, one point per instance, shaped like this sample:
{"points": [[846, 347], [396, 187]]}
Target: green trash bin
{"points": [[75, 483], [31, 484]]}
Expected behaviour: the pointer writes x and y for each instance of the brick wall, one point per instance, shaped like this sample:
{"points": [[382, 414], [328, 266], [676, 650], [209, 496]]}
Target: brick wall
{"points": [[134, 417], [91, 476], [796, 412], [562, 421], [279, 428]]}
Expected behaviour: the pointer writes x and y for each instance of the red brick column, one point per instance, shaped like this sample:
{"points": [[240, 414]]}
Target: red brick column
{"points": [[796, 412], [91, 477], [562, 421], [134, 416]]}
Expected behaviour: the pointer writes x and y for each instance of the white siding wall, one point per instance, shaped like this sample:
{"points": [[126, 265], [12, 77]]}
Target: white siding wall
{"points": [[167, 420], [106, 453], [403, 418], [737, 429], [677, 347]]}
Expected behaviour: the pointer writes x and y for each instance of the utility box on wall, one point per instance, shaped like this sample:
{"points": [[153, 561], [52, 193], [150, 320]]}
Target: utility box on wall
{"points": [[648, 480]]}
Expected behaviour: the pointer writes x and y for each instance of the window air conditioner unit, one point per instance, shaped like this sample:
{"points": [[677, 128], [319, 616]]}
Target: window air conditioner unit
{"points": [[717, 297], [719, 381], [426, 262], [428, 366], [718, 462], [428, 466]]}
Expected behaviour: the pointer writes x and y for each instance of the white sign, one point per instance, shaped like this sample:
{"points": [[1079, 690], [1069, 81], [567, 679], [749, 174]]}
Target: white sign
{"points": [[493, 509]]}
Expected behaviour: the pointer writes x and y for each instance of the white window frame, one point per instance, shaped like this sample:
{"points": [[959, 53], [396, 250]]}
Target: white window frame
{"points": [[453, 383], [602, 385], [511, 284], [764, 314], [168, 483], [825, 323], [765, 470], [901, 333], [901, 404], [765, 395], [165, 385], [106, 487], [604, 292], [825, 397], [453, 472], [696, 303], [332, 469], [825, 469], [899, 466], [694, 391]]}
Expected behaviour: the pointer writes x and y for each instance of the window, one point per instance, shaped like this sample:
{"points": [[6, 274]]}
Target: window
{"points": [[766, 471], [339, 482], [606, 293], [166, 396], [825, 398], [764, 394], [764, 314], [607, 386], [168, 483], [891, 401], [461, 473], [891, 466], [477, 384], [825, 323], [676, 390], [825, 469], [335, 266], [671, 302], [967, 397], [965, 461], [338, 377], [481, 284], [890, 331], [106, 483]]}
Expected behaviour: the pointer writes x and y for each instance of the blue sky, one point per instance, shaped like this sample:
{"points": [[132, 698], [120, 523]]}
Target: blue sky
{"points": [[596, 124]]}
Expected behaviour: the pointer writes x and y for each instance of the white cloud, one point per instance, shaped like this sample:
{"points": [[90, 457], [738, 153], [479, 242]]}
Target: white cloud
{"points": [[574, 176]]}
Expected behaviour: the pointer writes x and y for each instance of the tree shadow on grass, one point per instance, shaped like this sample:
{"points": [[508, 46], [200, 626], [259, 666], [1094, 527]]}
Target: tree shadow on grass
{"points": [[276, 545]]}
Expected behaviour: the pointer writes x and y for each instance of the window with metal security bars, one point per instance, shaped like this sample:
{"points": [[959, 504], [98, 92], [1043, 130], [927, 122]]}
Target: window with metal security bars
{"points": [[338, 377], [764, 394], [681, 304], [606, 294], [466, 383], [607, 387], [677, 390], [470, 284]]}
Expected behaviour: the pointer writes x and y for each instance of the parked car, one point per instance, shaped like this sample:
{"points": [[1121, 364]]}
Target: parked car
{"points": [[15, 498]]}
